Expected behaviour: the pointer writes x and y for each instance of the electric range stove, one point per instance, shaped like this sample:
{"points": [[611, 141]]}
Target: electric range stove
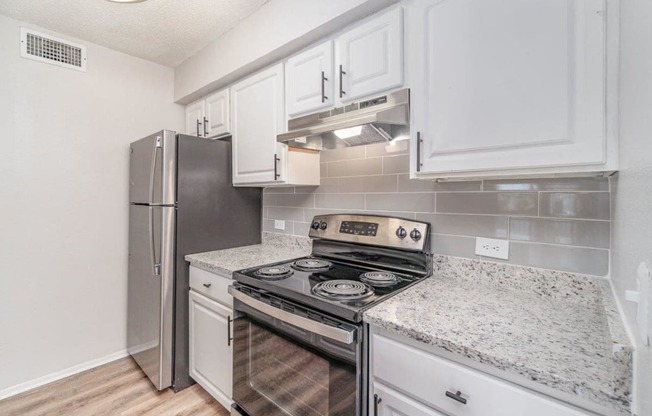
{"points": [[356, 262], [298, 336], [341, 289]]}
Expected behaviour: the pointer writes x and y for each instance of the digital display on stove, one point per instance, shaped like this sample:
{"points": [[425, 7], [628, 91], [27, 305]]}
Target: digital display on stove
{"points": [[359, 228]]}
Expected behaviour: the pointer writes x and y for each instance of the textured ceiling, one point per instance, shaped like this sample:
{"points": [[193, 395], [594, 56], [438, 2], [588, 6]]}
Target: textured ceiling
{"points": [[164, 31]]}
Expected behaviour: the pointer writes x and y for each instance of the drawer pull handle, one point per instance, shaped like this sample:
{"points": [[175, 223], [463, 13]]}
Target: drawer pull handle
{"points": [[456, 396], [229, 338], [207, 285], [377, 401]]}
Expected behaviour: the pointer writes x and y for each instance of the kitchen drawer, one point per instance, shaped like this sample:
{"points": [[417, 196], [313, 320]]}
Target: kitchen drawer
{"points": [[212, 285], [427, 378]]}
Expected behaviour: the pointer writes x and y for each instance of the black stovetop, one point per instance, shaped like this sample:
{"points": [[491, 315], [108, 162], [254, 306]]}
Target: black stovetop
{"points": [[298, 287]]}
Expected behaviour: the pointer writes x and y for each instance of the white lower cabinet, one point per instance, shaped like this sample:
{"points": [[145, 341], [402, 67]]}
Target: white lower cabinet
{"points": [[389, 402], [211, 358], [426, 384]]}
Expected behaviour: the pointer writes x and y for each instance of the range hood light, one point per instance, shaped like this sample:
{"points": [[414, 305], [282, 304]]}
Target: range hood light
{"points": [[347, 133], [399, 139], [375, 120]]}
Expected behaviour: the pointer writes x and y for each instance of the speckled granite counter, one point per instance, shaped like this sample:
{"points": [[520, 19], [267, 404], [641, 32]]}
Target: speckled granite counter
{"points": [[557, 329], [274, 248]]}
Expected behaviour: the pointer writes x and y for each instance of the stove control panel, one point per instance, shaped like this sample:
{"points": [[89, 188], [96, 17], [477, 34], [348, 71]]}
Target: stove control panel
{"points": [[392, 232], [359, 228]]}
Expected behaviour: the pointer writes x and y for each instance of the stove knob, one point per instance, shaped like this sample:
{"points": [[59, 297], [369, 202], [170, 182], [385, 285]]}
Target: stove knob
{"points": [[323, 225], [401, 233], [415, 235], [315, 225]]}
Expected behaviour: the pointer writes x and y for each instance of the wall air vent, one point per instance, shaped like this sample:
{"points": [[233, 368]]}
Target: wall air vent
{"points": [[46, 48]]}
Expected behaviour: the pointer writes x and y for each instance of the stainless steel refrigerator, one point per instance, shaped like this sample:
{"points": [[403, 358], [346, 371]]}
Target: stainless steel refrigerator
{"points": [[181, 202]]}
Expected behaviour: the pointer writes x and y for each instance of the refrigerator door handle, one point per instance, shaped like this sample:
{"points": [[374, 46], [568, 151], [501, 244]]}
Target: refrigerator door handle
{"points": [[157, 145], [156, 266]]}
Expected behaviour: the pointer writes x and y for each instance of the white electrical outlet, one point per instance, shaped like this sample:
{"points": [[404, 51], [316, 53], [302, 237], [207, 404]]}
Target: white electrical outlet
{"points": [[491, 247], [279, 225]]}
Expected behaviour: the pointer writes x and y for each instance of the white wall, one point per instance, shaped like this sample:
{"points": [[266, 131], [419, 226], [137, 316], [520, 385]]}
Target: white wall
{"points": [[274, 31], [632, 196], [64, 154]]}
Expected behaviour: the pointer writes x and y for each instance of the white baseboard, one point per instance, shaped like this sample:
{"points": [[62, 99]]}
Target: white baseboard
{"points": [[49, 378]]}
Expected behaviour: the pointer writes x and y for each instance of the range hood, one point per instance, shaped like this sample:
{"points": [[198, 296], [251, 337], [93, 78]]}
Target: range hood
{"points": [[371, 121]]}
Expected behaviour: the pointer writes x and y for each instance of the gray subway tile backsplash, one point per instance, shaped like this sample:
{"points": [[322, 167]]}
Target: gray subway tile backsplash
{"points": [[301, 228], [453, 245], [345, 153], [583, 233], [564, 258], [396, 164], [341, 201], [559, 224], [376, 183], [587, 205], [497, 203], [284, 213], [290, 200], [373, 166], [468, 225], [268, 225], [416, 202]]}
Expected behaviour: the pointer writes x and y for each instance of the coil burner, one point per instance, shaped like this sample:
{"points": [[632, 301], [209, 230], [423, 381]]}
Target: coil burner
{"points": [[343, 290], [380, 279], [274, 272], [312, 265]]}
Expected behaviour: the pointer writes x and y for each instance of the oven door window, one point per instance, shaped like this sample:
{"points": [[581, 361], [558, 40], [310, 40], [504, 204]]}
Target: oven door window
{"points": [[274, 375]]}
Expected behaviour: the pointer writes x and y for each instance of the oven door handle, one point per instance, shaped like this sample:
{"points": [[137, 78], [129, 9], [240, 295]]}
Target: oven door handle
{"points": [[315, 327]]}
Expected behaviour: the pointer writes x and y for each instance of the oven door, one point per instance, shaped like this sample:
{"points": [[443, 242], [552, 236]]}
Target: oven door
{"points": [[285, 364]]}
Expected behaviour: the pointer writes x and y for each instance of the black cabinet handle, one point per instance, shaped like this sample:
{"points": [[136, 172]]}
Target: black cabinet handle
{"points": [[207, 285], [419, 141], [198, 124], [229, 338], [377, 401], [323, 87], [456, 396], [205, 124], [276, 160], [342, 92]]}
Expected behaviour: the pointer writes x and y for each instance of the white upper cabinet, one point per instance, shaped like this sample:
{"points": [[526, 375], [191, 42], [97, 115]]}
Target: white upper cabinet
{"points": [[506, 87], [194, 118], [309, 80], [209, 116], [364, 61], [217, 114], [257, 111], [369, 58]]}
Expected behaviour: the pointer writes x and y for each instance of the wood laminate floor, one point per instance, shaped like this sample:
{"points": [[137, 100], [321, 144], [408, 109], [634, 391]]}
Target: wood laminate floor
{"points": [[115, 389]]}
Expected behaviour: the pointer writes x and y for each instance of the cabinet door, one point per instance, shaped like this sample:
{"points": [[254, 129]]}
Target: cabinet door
{"points": [[309, 80], [370, 57], [211, 360], [391, 403], [217, 114], [257, 105], [195, 118], [508, 84]]}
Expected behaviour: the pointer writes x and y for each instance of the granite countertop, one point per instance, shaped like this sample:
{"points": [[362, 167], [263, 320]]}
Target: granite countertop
{"points": [[274, 248], [556, 329]]}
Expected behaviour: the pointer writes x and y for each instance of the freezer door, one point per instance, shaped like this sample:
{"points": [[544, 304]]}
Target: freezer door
{"points": [[152, 169], [151, 289]]}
